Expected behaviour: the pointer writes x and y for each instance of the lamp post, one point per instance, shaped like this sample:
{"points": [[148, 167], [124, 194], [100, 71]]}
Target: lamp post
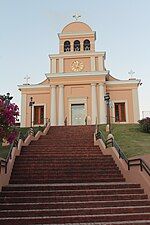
{"points": [[31, 103], [6, 98], [107, 100]]}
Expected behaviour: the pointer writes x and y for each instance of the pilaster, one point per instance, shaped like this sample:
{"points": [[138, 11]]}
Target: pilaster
{"points": [[53, 105], [94, 103], [61, 106]]}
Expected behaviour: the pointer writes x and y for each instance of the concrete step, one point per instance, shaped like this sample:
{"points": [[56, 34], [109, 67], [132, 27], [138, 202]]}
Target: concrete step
{"points": [[76, 219]]}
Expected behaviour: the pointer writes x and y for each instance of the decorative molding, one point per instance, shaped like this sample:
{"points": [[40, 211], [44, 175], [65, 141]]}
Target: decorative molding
{"points": [[77, 54], [77, 74], [122, 82], [33, 86], [76, 34]]}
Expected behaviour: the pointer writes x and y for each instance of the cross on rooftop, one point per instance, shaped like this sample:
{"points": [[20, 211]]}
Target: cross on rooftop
{"points": [[27, 78], [131, 72], [76, 16]]}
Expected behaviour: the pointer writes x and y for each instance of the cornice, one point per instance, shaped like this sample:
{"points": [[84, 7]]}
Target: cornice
{"points": [[122, 82], [33, 86], [77, 74], [76, 34], [77, 54]]}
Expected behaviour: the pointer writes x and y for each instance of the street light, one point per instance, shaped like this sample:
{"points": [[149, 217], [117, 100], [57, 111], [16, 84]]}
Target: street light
{"points": [[107, 100], [31, 103], [6, 98]]}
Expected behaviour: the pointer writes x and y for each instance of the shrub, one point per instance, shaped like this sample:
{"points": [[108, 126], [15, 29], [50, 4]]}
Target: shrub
{"points": [[8, 115], [145, 124]]}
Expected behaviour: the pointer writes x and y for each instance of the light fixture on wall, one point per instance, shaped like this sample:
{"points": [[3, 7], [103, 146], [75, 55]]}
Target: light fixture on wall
{"points": [[31, 103], [107, 100]]}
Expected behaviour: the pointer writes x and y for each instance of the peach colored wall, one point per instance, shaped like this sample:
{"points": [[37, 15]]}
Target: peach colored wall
{"points": [[68, 62], [123, 94], [40, 97], [79, 87], [77, 80]]}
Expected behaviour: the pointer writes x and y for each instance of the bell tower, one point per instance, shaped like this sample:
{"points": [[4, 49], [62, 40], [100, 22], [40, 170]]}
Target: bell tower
{"points": [[77, 37]]}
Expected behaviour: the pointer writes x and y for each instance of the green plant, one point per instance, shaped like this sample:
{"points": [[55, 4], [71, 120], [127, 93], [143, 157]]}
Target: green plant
{"points": [[145, 124]]}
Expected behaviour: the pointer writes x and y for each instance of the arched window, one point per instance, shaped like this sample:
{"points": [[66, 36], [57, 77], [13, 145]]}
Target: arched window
{"points": [[67, 46], [76, 45], [86, 45]]}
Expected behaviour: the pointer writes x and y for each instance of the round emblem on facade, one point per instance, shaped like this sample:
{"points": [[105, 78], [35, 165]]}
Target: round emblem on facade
{"points": [[77, 66]]}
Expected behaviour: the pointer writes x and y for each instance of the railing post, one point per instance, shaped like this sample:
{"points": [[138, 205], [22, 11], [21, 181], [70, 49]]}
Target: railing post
{"points": [[141, 165], [5, 168], [128, 165], [65, 121]]}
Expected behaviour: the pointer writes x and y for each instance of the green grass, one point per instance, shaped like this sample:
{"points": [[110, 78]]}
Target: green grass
{"points": [[4, 151], [130, 138]]}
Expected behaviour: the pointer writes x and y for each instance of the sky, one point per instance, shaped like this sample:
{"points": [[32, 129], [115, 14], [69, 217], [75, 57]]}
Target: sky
{"points": [[28, 34]]}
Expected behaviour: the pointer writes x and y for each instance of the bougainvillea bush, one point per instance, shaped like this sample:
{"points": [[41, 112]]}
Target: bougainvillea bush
{"points": [[9, 113], [145, 124]]}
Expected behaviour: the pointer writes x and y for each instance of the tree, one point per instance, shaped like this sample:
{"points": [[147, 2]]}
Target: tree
{"points": [[9, 113]]}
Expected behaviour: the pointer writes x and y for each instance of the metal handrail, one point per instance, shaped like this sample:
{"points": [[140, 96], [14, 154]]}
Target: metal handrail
{"points": [[100, 135], [130, 162], [139, 162]]}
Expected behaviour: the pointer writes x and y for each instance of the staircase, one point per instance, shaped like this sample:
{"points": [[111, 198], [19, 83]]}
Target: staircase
{"points": [[64, 179]]}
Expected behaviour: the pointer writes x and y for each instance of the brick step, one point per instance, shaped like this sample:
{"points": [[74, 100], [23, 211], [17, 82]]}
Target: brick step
{"points": [[65, 151], [65, 180], [64, 166], [65, 176], [75, 176], [67, 158], [78, 204], [75, 212], [67, 166], [60, 154], [81, 186], [76, 219], [60, 140], [71, 192], [64, 160], [78, 148], [62, 144], [66, 171], [72, 136], [57, 148], [80, 198]]}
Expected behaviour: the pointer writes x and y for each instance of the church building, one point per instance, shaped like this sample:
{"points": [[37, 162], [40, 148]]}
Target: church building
{"points": [[74, 89]]}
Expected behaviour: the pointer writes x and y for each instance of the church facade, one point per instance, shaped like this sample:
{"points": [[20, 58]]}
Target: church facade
{"points": [[74, 89]]}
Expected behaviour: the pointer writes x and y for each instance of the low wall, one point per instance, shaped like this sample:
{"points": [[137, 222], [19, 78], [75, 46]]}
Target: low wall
{"points": [[134, 175], [5, 177]]}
